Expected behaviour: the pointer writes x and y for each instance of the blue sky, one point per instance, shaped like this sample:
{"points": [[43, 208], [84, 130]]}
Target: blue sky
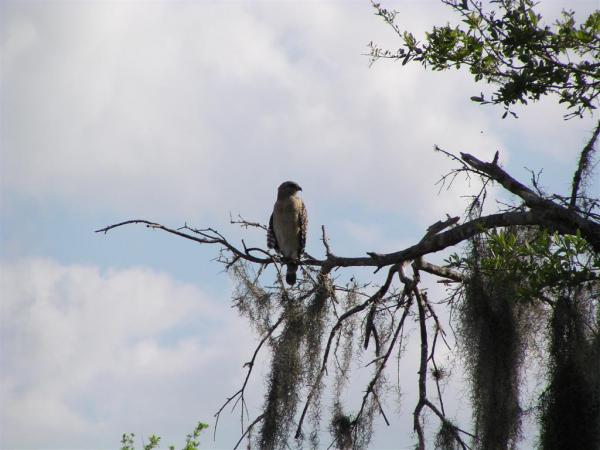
{"points": [[187, 112]]}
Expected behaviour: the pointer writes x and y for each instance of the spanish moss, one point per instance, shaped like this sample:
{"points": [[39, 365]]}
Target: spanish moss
{"points": [[284, 381], [446, 438], [571, 404], [490, 332]]}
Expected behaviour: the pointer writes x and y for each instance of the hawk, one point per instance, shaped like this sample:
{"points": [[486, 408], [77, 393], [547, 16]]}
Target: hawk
{"points": [[287, 227]]}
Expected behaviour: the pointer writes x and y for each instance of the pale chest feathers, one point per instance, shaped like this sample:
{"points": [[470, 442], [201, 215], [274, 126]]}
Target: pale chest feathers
{"points": [[287, 225]]}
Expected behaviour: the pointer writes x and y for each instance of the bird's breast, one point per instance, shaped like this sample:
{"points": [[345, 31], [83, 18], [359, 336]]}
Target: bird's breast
{"points": [[286, 226]]}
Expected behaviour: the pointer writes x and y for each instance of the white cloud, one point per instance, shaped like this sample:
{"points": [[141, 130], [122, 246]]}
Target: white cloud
{"points": [[163, 108], [19, 35], [197, 109], [88, 355]]}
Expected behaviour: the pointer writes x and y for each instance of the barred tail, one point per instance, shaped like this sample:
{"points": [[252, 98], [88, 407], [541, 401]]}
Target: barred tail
{"points": [[290, 276]]}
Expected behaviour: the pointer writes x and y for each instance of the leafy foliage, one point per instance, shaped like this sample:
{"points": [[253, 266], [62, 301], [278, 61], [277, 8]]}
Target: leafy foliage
{"points": [[192, 441], [547, 264], [511, 48]]}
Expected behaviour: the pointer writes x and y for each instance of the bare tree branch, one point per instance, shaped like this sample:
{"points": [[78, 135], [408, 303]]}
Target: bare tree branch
{"points": [[258, 419], [246, 224], [443, 272], [422, 366], [208, 236], [382, 364], [376, 296], [550, 214], [544, 213], [250, 365]]}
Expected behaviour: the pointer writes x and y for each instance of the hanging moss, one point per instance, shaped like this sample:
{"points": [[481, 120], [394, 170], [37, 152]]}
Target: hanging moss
{"points": [[446, 438], [284, 382], [251, 299], [348, 431], [341, 429], [513, 273], [490, 332], [571, 405], [315, 320], [295, 364]]}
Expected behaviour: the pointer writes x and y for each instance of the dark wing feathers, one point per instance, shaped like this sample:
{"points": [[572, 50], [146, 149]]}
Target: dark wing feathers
{"points": [[302, 227], [271, 238]]}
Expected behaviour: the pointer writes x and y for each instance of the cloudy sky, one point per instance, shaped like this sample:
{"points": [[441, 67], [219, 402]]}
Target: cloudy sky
{"points": [[188, 111]]}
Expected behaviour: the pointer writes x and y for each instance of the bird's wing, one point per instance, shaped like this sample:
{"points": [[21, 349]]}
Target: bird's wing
{"points": [[302, 227], [271, 238]]}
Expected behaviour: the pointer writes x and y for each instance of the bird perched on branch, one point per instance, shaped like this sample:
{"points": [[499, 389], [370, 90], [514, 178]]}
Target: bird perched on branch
{"points": [[287, 227]]}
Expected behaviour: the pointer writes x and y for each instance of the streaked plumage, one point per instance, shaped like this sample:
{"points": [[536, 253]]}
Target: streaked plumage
{"points": [[287, 227]]}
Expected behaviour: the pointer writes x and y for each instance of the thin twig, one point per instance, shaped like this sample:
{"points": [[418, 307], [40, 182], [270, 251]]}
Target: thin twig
{"points": [[376, 296], [250, 365], [258, 419]]}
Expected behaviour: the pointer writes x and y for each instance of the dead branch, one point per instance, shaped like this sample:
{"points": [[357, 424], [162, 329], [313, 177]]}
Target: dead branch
{"points": [[456, 430], [376, 296], [440, 271], [245, 223], [382, 363], [325, 241], [239, 395], [543, 212], [422, 366], [207, 236], [254, 422], [439, 226], [547, 213], [423, 401]]}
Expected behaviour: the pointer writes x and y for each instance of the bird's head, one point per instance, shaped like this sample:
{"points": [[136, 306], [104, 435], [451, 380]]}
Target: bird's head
{"points": [[288, 188]]}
